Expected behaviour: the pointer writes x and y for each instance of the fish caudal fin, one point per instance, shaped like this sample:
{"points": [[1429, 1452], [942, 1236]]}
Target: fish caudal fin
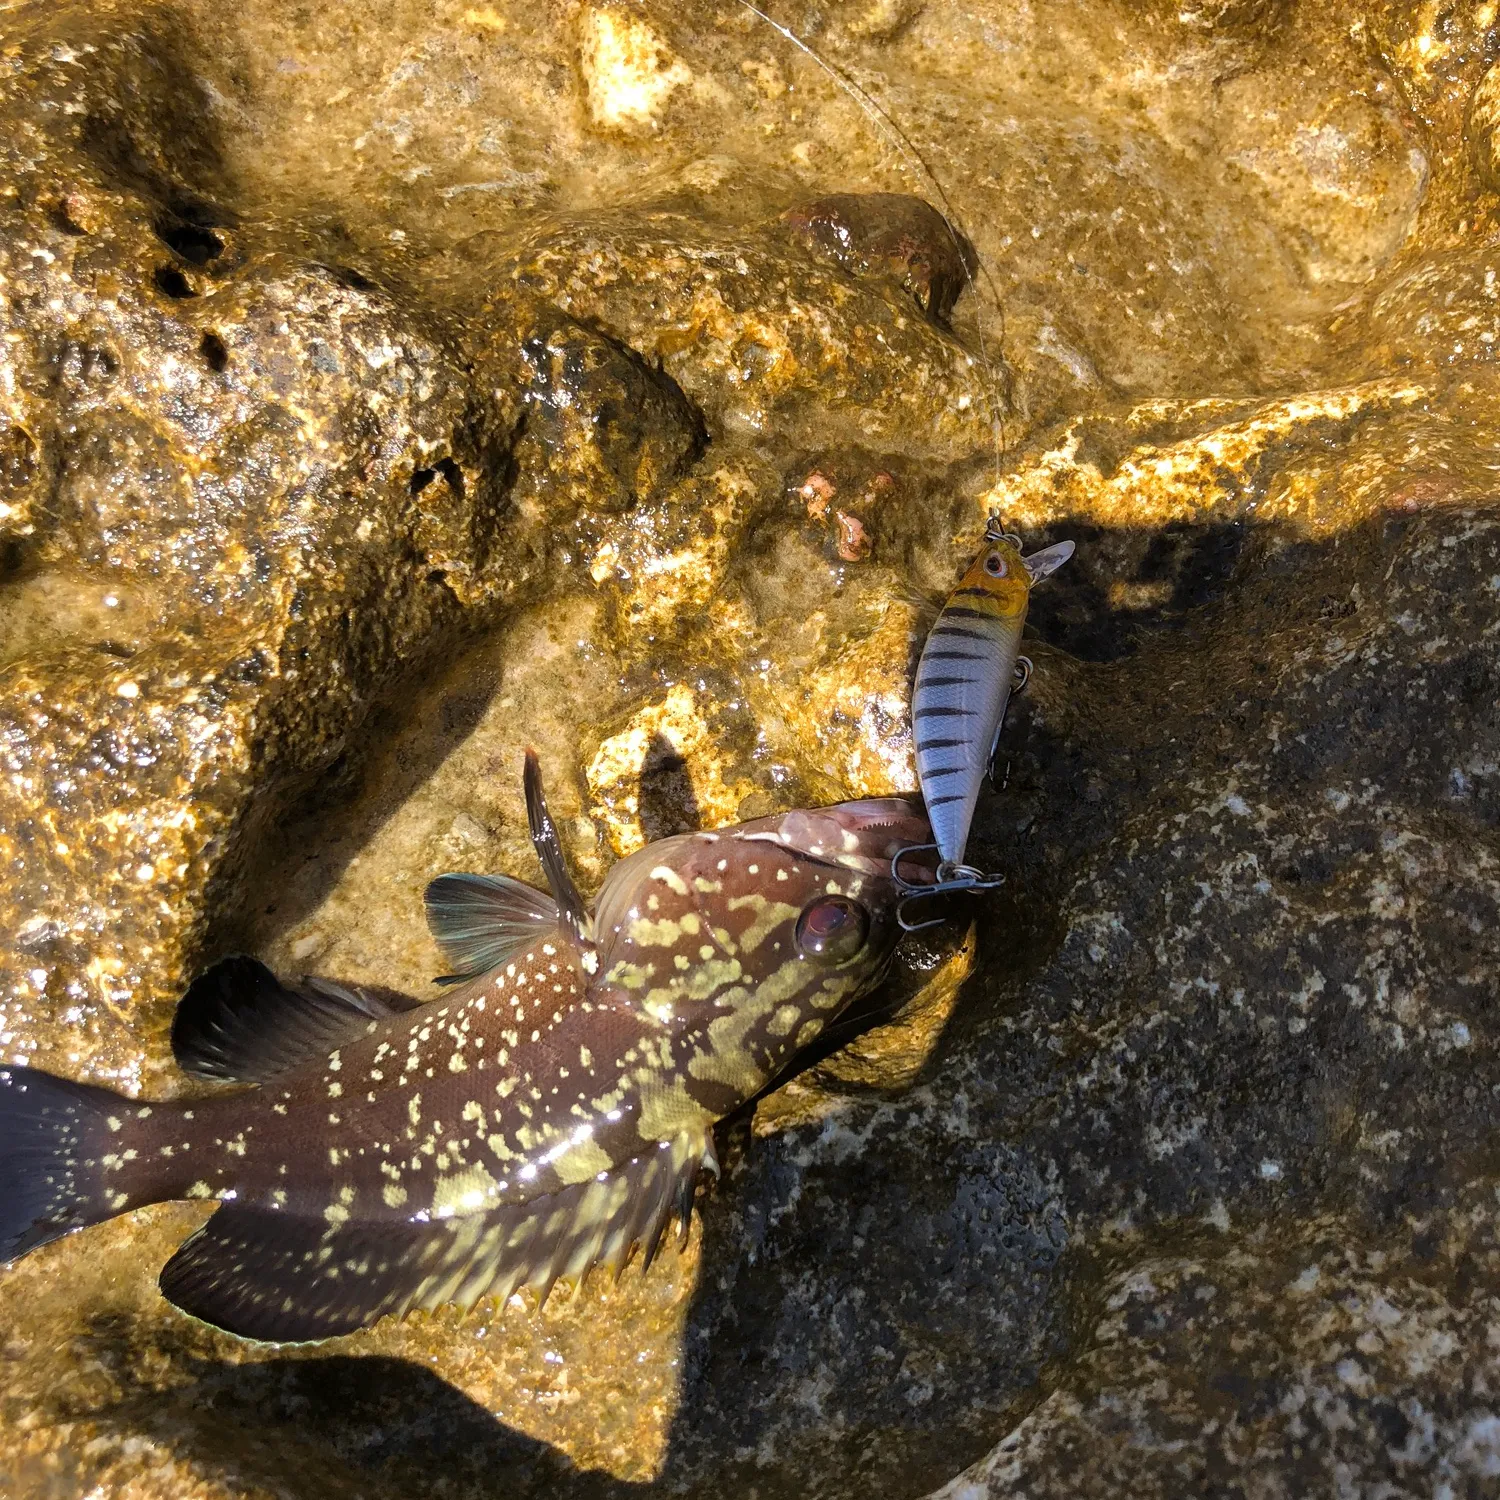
{"points": [[285, 1278], [54, 1138]]}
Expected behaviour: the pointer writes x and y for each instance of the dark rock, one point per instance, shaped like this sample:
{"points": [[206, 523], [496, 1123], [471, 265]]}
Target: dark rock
{"points": [[1241, 997], [599, 419], [894, 235]]}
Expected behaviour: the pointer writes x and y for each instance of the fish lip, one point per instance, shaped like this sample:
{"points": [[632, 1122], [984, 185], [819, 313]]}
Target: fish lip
{"points": [[865, 835]]}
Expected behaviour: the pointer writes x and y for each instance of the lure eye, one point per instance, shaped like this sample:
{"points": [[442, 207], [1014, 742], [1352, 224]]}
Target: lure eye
{"points": [[994, 565], [832, 929]]}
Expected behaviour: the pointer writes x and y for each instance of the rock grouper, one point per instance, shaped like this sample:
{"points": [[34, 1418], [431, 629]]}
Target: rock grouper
{"points": [[549, 1114]]}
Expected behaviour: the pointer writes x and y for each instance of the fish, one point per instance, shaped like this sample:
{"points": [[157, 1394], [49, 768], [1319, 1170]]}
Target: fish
{"points": [[969, 665], [549, 1112]]}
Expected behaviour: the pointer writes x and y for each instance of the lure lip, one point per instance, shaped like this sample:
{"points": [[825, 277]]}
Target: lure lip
{"points": [[1047, 561]]}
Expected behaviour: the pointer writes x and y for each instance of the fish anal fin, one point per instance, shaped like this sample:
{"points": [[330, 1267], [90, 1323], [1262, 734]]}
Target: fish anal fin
{"points": [[239, 1023], [284, 1278], [479, 921]]}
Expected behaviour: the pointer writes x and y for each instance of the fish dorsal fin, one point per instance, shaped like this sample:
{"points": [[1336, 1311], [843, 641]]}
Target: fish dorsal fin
{"points": [[480, 920], [549, 849], [288, 1278], [1045, 563], [238, 1023]]}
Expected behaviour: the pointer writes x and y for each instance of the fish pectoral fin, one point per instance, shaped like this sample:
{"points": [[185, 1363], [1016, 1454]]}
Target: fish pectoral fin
{"points": [[480, 920], [567, 1233], [239, 1023], [286, 1278]]}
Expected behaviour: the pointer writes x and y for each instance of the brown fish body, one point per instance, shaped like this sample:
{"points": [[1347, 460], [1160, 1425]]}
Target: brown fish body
{"points": [[546, 1115], [438, 1110]]}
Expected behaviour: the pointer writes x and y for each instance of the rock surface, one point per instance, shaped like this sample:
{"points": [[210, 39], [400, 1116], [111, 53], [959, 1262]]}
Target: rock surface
{"points": [[386, 387]]}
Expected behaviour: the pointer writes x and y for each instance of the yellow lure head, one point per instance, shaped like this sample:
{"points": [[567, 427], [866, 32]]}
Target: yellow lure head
{"points": [[999, 580]]}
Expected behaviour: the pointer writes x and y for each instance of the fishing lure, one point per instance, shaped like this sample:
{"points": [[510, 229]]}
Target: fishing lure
{"points": [[970, 665], [549, 1113]]}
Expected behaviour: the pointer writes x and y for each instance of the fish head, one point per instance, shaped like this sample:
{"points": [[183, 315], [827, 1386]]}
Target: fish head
{"points": [[839, 866], [753, 937]]}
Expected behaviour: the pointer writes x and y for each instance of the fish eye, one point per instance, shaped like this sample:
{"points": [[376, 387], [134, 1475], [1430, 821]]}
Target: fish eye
{"points": [[994, 565], [832, 929]]}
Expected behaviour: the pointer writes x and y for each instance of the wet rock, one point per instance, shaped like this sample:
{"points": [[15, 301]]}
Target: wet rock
{"points": [[760, 338], [596, 413], [383, 393], [1443, 309], [1484, 116], [1232, 17], [271, 473], [1343, 178], [891, 234]]}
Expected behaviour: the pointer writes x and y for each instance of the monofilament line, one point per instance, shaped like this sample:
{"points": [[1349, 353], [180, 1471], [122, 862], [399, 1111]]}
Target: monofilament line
{"points": [[911, 159]]}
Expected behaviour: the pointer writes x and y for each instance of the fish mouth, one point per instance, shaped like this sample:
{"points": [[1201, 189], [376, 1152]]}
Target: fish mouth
{"points": [[868, 836]]}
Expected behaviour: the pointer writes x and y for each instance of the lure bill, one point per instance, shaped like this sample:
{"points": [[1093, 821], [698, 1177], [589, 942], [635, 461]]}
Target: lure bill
{"points": [[549, 1112], [970, 665]]}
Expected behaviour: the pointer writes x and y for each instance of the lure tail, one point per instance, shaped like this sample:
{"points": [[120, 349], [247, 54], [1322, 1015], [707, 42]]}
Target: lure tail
{"points": [[54, 1138]]}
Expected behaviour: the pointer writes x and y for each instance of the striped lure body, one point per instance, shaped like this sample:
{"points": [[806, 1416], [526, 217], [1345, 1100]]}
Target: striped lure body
{"points": [[548, 1113], [964, 681]]}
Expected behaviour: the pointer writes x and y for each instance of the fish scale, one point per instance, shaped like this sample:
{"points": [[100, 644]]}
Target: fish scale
{"points": [[549, 1112]]}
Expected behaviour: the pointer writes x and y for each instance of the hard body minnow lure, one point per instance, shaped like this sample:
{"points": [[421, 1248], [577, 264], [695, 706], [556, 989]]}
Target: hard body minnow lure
{"points": [[969, 667], [550, 1113]]}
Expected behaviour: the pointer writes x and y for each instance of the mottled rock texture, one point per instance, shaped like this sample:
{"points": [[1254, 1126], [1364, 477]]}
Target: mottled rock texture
{"points": [[387, 386]]}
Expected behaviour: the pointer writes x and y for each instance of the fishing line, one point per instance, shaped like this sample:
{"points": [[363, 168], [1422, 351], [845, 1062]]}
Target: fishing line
{"points": [[897, 140]]}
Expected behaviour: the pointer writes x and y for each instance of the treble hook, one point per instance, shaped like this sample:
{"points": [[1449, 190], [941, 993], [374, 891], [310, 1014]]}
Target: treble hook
{"points": [[951, 878]]}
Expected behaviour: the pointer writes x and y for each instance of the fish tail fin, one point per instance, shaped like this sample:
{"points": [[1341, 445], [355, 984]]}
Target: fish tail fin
{"points": [[54, 1136]]}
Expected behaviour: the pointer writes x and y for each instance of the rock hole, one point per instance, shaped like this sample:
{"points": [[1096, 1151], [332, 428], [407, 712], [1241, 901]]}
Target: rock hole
{"points": [[193, 242], [452, 475], [348, 276], [171, 281], [214, 351]]}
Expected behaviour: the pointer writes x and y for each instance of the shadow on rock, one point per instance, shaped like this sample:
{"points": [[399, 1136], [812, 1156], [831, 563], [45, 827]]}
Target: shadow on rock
{"points": [[328, 1426], [667, 800], [1242, 992]]}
